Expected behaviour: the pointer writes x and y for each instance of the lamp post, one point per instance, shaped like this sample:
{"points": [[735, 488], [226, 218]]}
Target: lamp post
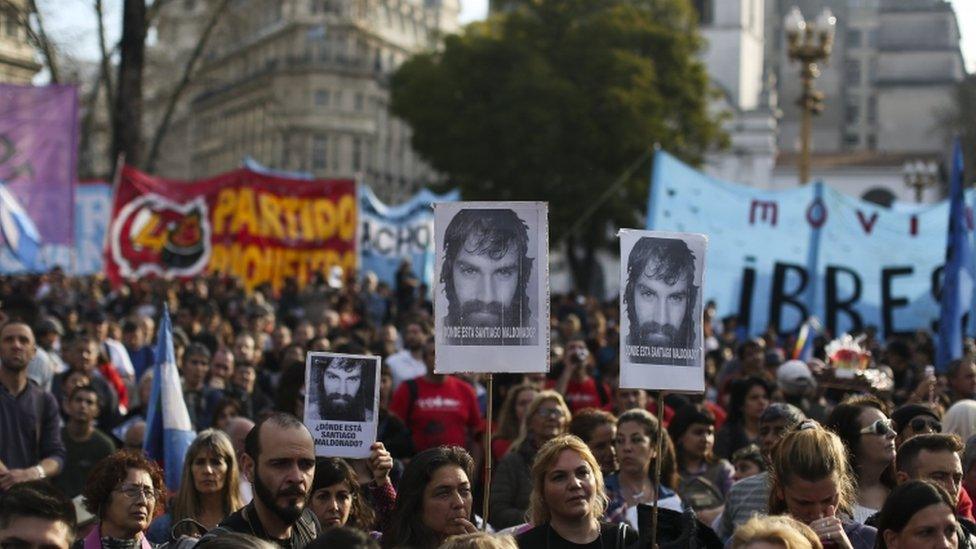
{"points": [[808, 43], [920, 174]]}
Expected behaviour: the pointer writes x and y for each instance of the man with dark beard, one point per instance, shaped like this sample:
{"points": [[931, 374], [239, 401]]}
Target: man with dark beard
{"points": [[486, 275], [279, 461], [660, 298], [342, 389]]}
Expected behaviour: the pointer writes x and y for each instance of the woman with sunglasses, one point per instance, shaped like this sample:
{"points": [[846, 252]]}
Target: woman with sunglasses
{"points": [[913, 419], [810, 481], [546, 418], [869, 436], [123, 491]]}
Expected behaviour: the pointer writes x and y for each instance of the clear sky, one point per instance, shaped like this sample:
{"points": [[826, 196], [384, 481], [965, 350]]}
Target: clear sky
{"points": [[72, 23]]}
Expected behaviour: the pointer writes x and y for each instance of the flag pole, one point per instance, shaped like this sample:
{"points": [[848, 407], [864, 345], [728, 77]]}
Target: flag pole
{"points": [[659, 456], [487, 450]]}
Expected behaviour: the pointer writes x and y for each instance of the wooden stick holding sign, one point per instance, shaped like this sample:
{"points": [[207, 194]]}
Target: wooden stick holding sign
{"points": [[484, 510], [657, 465]]}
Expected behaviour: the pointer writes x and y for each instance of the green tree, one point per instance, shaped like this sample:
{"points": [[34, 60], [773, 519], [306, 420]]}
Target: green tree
{"points": [[554, 100]]}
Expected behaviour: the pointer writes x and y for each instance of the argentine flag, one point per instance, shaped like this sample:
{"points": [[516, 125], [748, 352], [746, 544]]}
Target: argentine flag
{"points": [[960, 271], [21, 235], [168, 429]]}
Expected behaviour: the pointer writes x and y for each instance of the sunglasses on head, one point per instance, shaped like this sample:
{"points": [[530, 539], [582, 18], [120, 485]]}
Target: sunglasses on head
{"points": [[925, 423], [880, 427]]}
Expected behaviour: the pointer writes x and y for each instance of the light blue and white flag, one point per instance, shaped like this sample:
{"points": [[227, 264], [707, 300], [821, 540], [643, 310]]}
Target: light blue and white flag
{"points": [[19, 231], [168, 428]]}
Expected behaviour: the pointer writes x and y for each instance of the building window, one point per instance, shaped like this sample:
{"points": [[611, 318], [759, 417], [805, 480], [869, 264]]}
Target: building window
{"points": [[357, 153], [854, 38], [320, 156], [852, 70], [872, 142], [851, 140], [872, 109], [706, 11], [359, 102], [321, 98], [852, 113]]}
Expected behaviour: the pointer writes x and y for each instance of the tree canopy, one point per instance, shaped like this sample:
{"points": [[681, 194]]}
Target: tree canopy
{"points": [[554, 99]]}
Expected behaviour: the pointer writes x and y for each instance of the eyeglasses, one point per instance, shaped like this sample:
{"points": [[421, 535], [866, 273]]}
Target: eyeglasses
{"points": [[880, 427], [924, 423], [549, 412], [134, 491]]}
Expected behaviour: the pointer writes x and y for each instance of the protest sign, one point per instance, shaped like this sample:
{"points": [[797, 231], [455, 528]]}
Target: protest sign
{"points": [[260, 227], [390, 234], [661, 310], [492, 300], [777, 258], [342, 397], [38, 157]]}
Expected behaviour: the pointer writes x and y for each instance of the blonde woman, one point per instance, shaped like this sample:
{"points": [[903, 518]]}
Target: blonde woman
{"points": [[209, 489], [779, 532], [568, 500], [811, 482], [546, 417]]}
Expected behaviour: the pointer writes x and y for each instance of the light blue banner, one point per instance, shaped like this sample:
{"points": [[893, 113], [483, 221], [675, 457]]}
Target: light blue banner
{"points": [[872, 265], [93, 209], [389, 234]]}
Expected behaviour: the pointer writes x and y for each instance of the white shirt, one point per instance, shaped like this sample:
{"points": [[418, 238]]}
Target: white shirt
{"points": [[404, 366]]}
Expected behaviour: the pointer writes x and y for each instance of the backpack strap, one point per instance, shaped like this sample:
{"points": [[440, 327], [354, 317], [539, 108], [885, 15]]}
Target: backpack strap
{"points": [[621, 540]]}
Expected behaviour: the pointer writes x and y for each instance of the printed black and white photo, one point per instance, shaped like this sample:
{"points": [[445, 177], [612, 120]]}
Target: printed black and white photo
{"points": [[661, 304], [492, 274], [342, 394], [485, 276]]}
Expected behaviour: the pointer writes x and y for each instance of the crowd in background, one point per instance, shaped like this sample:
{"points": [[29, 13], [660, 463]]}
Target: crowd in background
{"points": [[776, 449]]}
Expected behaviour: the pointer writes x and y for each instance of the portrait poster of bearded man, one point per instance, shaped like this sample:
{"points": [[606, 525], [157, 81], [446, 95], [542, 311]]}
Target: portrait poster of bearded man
{"points": [[492, 290], [342, 402], [661, 278]]}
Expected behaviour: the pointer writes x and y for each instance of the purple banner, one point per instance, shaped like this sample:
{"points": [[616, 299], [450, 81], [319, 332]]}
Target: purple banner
{"points": [[38, 155]]}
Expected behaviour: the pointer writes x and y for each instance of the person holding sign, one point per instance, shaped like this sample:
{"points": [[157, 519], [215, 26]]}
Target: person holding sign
{"points": [[338, 498], [568, 501]]}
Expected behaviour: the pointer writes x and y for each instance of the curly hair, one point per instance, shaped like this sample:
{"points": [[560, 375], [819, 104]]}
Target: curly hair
{"points": [[106, 476], [406, 527], [330, 471]]}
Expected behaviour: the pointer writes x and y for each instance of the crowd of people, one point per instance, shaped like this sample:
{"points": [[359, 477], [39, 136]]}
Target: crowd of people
{"points": [[777, 452]]}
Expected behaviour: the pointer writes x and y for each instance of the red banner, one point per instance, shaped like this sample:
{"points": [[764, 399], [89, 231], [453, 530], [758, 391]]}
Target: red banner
{"points": [[261, 228]]}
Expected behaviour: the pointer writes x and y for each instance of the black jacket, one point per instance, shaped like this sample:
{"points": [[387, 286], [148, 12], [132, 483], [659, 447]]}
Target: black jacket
{"points": [[246, 521]]}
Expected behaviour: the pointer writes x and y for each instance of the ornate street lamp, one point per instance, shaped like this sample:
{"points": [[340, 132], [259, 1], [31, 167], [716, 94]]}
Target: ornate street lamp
{"points": [[809, 43], [920, 174]]}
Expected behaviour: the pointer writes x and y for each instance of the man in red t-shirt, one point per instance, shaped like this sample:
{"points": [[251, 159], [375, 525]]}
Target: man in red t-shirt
{"points": [[575, 383], [439, 409]]}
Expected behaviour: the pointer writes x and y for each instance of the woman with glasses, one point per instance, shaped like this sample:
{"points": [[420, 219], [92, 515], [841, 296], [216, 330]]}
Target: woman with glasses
{"points": [[868, 434], [568, 501], [810, 481], [636, 447], [209, 490], [546, 418], [123, 492]]}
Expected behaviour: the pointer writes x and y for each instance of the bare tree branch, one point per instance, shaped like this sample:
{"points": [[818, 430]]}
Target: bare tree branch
{"points": [[105, 73], [183, 84]]}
